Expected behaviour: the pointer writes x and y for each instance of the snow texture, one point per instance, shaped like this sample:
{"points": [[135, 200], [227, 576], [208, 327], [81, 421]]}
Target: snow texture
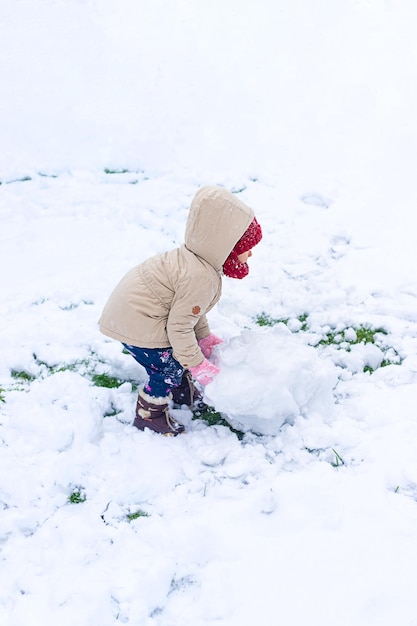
{"points": [[112, 116], [294, 381]]}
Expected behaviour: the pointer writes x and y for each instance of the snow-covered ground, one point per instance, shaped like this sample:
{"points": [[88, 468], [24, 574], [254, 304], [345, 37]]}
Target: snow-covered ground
{"points": [[306, 110]]}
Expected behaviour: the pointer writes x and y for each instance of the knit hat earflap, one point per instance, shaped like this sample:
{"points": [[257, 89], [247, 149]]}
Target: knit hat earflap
{"points": [[234, 268], [250, 238]]}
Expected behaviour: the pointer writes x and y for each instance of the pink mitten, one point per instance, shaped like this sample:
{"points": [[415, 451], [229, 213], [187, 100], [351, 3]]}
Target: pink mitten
{"points": [[205, 372], [207, 344]]}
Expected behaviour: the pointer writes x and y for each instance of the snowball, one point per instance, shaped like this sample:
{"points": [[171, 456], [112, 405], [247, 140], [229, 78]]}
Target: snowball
{"points": [[269, 377]]}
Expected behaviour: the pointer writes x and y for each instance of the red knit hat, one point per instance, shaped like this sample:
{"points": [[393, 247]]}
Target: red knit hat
{"points": [[232, 267]]}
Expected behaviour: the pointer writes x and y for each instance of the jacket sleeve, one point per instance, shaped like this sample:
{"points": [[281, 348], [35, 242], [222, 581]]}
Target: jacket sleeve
{"points": [[193, 298], [202, 328]]}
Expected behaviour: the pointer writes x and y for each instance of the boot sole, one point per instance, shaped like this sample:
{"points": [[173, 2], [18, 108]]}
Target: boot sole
{"points": [[141, 424]]}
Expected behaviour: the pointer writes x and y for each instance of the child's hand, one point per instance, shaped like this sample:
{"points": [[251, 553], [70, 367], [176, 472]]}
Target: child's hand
{"points": [[205, 372], [207, 344]]}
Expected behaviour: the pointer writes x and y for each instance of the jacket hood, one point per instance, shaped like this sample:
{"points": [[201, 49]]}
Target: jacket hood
{"points": [[216, 221]]}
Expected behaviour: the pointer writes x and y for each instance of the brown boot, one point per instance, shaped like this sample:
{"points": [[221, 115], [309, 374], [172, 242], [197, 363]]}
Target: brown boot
{"points": [[187, 393], [153, 413]]}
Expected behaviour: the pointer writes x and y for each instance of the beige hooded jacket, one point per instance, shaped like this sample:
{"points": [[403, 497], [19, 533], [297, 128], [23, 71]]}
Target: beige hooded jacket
{"points": [[163, 301]]}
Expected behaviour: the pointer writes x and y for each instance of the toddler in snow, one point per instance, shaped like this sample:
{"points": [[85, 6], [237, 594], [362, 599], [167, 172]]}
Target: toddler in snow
{"points": [[158, 310]]}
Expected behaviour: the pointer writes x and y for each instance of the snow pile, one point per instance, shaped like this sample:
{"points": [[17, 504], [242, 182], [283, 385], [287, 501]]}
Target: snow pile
{"points": [[268, 378], [103, 524]]}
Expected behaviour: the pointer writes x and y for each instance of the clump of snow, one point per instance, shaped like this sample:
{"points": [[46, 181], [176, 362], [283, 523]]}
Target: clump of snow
{"points": [[268, 378]]}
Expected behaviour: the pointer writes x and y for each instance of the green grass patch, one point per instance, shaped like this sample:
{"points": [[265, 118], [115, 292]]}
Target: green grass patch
{"points": [[342, 339], [303, 319], [2, 398], [107, 170], [74, 305], [386, 362], [84, 367], [104, 380], [22, 379], [323, 454], [338, 461], [22, 376], [136, 515], [24, 179], [364, 334], [61, 367], [212, 418], [263, 319], [99, 380], [345, 339], [77, 497], [367, 335], [330, 339]]}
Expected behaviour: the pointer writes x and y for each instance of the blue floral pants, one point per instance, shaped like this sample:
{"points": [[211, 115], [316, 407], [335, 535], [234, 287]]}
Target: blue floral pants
{"points": [[163, 370]]}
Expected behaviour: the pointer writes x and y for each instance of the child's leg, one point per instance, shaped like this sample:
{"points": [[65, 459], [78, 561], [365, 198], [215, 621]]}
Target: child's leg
{"points": [[152, 407], [188, 394], [163, 370]]}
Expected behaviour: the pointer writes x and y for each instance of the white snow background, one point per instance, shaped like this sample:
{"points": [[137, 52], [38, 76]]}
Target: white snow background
{"points": [[112, 115]]}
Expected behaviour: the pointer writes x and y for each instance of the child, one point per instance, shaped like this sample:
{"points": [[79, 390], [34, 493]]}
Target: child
{"points": [[158, 310]]}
